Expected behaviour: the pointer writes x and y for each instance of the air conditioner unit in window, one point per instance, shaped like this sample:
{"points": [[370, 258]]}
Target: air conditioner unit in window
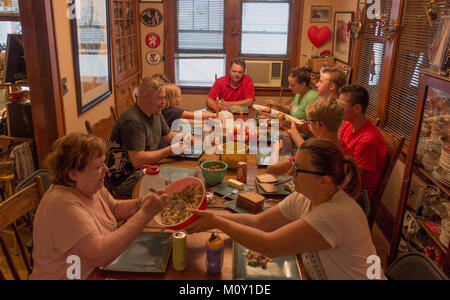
{"points": [[267, 73]]}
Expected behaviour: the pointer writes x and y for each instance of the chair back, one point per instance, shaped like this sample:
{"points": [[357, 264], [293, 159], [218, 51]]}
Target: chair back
{"points": [[364, 201], [394, 147], [45, 177], [414, 266], [12, 210], [102, 128]]}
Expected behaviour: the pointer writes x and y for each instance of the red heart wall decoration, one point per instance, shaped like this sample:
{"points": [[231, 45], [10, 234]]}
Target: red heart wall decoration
{"points": [[319, 36]]}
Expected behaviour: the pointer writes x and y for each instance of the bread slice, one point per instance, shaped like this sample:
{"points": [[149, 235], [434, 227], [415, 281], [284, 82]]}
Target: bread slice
{"points": [[251, 201], [252, 197], [268, 187], [267, 178], [266, 110], [288, 186]]}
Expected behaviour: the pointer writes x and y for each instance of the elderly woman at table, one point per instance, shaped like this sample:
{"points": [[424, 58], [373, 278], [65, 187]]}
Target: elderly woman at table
{"points": [[78, 217], [321, 221]]}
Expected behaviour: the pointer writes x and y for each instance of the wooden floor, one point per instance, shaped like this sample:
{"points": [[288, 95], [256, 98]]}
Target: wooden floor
{"points": [[380, 242]]}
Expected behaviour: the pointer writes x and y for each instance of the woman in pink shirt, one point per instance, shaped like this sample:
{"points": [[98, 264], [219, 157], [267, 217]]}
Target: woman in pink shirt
{"points": [[78, 217]]}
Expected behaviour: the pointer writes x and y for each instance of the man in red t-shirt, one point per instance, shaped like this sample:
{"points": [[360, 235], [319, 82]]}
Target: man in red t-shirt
{"points": [[233, 89], [362, 137]]}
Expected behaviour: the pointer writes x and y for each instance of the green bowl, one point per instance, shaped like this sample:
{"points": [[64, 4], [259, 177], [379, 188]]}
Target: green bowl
{"points": [[213, 177]]}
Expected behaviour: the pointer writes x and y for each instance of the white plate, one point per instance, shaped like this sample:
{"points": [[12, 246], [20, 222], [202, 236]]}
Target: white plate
{"points": [[275, 113]]}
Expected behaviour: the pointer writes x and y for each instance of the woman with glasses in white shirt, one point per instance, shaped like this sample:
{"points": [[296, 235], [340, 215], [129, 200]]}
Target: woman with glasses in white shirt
{"points": [[321, 221]]}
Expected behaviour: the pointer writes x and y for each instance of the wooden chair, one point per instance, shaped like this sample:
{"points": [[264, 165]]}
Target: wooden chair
{"points": [[103, 127], [13, 209], [394, 147]]}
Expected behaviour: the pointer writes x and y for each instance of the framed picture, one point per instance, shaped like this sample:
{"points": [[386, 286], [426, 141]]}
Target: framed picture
{"points": [[9, 8], [341, 39], [439, 50], [321, 13], [151, 17], [91, 52]]}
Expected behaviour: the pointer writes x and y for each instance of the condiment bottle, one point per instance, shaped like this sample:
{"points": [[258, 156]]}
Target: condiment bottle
{"points": [[214, 254], [154, 180]]}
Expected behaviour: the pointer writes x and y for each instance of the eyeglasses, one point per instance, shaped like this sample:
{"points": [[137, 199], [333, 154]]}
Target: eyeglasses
{"points": [[297, 170]]}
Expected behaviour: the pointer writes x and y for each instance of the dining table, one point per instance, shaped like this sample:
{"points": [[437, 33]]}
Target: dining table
{"points": [[196, 253]]}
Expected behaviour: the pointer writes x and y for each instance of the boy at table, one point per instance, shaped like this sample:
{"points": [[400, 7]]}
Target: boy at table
{"points": [[323, 117], [362, 137], [331, 80], [236, 88]]}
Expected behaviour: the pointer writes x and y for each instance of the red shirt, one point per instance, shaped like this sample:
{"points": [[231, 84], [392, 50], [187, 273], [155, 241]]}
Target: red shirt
{"points": [[222, 88], [369, 152]]}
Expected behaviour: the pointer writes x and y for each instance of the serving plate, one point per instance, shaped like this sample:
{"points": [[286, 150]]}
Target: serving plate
{"points": [[281, 190], [224, 189], [149, 253], [237, 111], [280, 268], [274, 114]]}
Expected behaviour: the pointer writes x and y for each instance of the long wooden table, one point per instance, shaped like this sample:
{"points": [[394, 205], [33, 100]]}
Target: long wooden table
{"points": [[196, 269]]}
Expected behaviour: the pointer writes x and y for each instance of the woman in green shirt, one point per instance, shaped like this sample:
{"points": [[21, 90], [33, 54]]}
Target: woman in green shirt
{"points": [[305, 94]]}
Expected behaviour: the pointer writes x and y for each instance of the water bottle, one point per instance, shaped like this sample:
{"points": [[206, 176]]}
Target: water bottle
{"points": [[214, 254], [152, 181]]}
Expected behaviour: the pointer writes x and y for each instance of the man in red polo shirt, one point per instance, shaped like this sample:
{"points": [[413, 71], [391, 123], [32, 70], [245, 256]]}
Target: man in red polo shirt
{"points": [[362, 137], [233, 89]]}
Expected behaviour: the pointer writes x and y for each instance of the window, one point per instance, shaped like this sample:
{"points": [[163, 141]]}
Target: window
{"points": [[371, 56], [265, 28], [205, 41], [411, 56]]}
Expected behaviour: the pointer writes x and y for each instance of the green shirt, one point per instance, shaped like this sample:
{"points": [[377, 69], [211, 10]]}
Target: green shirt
{"points": [[298, 110]]}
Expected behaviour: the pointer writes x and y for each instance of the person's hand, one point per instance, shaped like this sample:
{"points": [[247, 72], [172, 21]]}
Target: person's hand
{"points": [[271, 103], [153, 203], [204, 223], [302, 126], [209, 115]]}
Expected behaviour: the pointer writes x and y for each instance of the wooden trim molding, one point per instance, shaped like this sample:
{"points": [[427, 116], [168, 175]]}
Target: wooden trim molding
{"points": [[43, 73]]}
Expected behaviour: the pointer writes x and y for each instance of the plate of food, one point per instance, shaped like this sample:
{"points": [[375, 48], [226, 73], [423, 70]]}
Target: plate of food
{"points": [[276, 114], [236, 109], [226, 189], [149, 253], [268, 184], [184, 194], [251, 265]]}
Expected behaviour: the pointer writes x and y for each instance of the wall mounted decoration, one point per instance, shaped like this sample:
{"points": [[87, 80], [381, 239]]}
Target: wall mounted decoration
{"points": [[342, 36], [319, 36], [91, 52], [153, 57], [151, 17], [321, 14], [152, 40]]}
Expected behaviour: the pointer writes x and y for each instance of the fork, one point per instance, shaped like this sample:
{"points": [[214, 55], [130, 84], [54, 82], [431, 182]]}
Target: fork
{"points": [[234, 192]]}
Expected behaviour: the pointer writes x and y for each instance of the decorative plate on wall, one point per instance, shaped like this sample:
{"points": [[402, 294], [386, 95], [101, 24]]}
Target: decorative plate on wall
{"points": [[153, 57], [151, 17], [152, 40]]}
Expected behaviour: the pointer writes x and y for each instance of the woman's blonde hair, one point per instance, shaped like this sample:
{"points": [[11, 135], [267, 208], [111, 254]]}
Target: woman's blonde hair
{"points": [[328, 159], [72, 152], [328, 111], [172, 91]]}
